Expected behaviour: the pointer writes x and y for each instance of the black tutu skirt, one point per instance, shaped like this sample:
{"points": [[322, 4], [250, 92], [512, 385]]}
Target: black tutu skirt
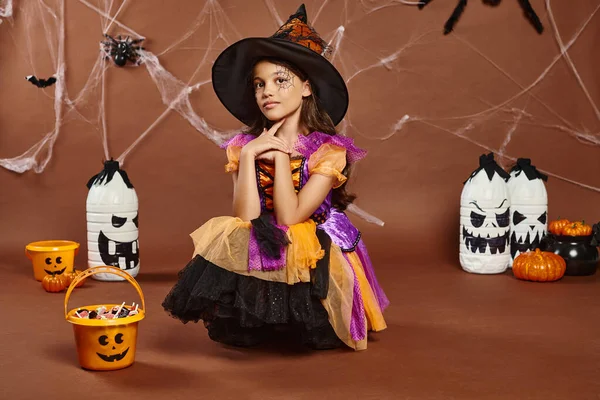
{"points": [[245, 311]]}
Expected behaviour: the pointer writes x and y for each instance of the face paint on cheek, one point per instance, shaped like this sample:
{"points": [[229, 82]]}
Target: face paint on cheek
{"points": [[284, 78]]}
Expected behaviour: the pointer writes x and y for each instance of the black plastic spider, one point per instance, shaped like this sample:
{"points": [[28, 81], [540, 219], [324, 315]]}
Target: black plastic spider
{"points": [[122, 50], [525, 5]]}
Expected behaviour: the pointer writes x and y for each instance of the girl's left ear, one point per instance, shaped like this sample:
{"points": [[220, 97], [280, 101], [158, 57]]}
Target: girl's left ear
{"points": [[306, 91]]}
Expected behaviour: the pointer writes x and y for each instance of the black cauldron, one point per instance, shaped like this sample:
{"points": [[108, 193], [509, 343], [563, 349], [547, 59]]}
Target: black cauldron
{"points": [[580, 252]]}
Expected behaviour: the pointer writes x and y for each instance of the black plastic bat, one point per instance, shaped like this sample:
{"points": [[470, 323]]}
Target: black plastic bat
{"points": [[41, 83]]}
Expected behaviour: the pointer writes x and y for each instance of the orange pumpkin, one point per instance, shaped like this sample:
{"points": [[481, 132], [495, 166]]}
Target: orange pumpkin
{"points": [[54, 283], [539, 266], [577, 229], [70, 277], [556, 227]]}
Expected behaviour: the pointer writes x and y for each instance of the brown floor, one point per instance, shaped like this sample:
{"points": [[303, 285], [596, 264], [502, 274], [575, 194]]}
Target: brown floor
{"points": [[450, 335]]}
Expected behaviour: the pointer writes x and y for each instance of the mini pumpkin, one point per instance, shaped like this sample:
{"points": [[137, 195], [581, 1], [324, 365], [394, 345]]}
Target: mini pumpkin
{"points": [[54, 283], [577, 229], [70, 277], [556, 227], [539, 266]]}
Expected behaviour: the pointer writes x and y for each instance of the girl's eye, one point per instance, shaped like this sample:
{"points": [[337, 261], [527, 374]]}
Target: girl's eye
{"points": [[258, 85], [281, 80]]}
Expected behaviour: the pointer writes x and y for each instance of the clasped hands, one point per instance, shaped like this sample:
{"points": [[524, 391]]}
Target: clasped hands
{"points": [[267, 146]]}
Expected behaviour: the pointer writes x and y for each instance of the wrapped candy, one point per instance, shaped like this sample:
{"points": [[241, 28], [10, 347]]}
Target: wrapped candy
{"points": [[103, 312]]}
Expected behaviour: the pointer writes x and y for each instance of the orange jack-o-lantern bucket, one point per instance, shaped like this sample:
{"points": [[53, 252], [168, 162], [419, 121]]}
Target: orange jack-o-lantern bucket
{"points": [[51, 257], [105, 344]]}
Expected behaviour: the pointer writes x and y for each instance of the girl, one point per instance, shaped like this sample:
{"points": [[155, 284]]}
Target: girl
{"points": [[289, 260]]}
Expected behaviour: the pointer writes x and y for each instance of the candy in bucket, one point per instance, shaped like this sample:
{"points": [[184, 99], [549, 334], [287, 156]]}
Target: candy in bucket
{"points": [[103, 312], [105, 334]]}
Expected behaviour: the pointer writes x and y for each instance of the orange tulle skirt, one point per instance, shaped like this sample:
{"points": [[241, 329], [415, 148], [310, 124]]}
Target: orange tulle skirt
{"points": [[224, 241]]}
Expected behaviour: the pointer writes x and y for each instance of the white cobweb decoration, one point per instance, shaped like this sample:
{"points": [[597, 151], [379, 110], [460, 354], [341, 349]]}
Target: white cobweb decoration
{"points": [[175, 93], [5, 9]]}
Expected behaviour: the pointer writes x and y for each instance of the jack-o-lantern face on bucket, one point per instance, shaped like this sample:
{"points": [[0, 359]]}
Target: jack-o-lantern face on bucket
{"points": [[105, 347], [52, 257], [116, 347], [55, 265]]}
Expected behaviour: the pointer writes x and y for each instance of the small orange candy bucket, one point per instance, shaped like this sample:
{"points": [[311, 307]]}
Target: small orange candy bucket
{"points": [[105, 344], [51, 257]]}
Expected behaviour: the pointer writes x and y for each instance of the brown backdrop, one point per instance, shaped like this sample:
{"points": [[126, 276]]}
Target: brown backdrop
{"points": [[491, 86]]}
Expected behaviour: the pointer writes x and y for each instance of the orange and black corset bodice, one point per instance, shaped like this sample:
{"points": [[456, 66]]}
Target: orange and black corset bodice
{"points": [[265, 174]]}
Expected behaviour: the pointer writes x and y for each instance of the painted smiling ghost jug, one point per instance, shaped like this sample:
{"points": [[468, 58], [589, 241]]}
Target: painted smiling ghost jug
{"points": [[529, 207], [112, 222], [485, 219]]}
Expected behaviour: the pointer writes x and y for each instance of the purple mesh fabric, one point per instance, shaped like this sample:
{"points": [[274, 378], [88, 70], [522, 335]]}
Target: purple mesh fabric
{"points": [[259, 261], [358, 330], [344, 234], [238, 140], [306, 145], [254, 262], [361, 251]]}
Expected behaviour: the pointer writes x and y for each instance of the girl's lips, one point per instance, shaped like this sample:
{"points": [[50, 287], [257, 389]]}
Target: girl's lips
{"points": [[268, 106]]}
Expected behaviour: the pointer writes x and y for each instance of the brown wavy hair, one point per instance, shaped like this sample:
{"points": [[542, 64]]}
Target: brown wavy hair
{"points": [[313, 117]]}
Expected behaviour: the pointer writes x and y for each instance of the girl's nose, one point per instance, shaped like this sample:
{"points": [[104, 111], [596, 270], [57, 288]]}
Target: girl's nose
{"points": [[268, 90]]}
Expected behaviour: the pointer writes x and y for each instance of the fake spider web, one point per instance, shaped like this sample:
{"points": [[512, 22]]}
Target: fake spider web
{"points": [[5, 9], [89, 103]]}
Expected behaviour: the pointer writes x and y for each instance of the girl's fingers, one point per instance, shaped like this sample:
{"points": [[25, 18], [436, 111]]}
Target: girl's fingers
{"points": [[271, 141], [281, 144], [275, 127]]}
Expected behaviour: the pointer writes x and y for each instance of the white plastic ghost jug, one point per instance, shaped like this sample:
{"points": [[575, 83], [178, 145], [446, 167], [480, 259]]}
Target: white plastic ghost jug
{"points": [[485, 219], [112, 222], [529, 207]]}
